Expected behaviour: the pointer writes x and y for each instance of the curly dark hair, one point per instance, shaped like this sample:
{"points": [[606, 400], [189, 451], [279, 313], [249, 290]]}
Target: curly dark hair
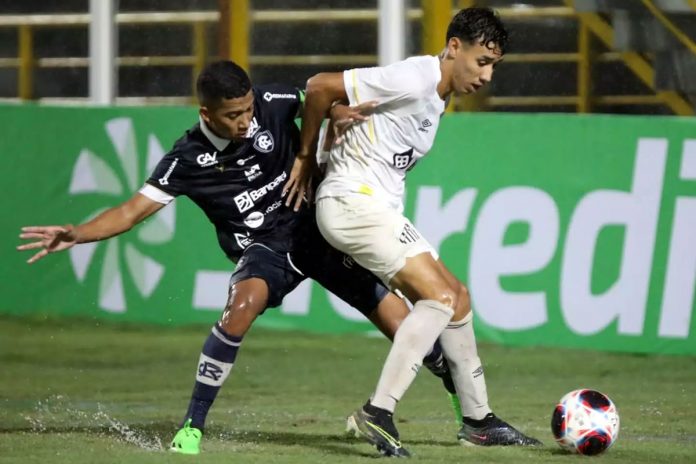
{"points": [[221, 79], [478, 25]]}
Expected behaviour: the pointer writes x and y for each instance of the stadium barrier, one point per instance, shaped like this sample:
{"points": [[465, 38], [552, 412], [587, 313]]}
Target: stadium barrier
{"points": [[570, 231]]}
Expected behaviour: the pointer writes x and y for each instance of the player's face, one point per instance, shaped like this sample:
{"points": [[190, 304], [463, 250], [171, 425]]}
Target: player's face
{"points": [[230, 118], [473, 64]]}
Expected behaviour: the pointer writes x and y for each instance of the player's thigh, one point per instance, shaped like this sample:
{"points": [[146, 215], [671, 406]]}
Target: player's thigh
{"points": [[261, 280], [379, 238], [421, 278], [341, 275]]}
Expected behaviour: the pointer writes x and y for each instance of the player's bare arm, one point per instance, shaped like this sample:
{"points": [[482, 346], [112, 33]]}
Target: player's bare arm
{"points": [[112, 222], [322, 91]]}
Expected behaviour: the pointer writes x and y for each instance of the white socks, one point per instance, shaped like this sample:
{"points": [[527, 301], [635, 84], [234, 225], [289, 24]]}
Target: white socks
{"points": [[459, 347], [412, 341]]}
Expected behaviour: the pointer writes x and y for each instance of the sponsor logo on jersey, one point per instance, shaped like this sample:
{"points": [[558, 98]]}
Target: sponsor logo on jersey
{"points": [[206, 159], [409, 234], [243, 240], [424, 125], [274, 206], [253, 128], [402, 160], [242, 161], [264, 142], [254, 219], [245, 200], [164, 180], [253, 172], [268, 96], [478, 372]]}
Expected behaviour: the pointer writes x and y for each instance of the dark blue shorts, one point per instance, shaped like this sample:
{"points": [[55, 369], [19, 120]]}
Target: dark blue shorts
{"points": [[333, 270]]}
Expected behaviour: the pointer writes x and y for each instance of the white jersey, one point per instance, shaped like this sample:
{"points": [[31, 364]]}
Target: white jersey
{"points": [[375, 155]]}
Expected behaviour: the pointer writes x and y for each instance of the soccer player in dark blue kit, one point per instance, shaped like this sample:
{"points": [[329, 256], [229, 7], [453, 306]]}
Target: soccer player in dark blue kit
{"points": [[233, 164]]}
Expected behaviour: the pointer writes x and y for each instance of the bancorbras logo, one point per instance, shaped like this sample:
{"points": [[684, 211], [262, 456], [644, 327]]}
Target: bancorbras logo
{"points": [[245, 200], [206, 159], [268, 96]]}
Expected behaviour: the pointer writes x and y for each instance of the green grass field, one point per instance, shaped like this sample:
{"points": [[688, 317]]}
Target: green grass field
{"points": [[83, 392]]}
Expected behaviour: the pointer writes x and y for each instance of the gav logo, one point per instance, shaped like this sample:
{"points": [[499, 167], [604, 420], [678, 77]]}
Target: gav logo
{"points": [[264, 142], [100, 175], [206, 159]]}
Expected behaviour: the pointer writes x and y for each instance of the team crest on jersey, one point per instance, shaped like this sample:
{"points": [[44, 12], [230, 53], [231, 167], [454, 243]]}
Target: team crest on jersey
{"points": [[402, 160], [264, 142]]}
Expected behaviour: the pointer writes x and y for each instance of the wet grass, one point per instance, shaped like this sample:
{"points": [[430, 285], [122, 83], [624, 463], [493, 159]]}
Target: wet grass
{"points": [[82, 392]]}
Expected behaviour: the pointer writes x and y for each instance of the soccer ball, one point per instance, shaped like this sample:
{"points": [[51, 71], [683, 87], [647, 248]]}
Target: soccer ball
{"points": [[586, 422]]}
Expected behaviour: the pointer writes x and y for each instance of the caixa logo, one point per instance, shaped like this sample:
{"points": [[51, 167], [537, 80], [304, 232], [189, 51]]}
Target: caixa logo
{"points": [[93, 175]]}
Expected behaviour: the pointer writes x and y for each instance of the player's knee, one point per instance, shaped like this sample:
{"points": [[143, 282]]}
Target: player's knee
{"points": [[448, 296], [239, 314]]}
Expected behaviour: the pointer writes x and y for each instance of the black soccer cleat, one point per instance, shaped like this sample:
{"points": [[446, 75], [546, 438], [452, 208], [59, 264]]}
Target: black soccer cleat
{"points": [[494, 431], [378, 428]]}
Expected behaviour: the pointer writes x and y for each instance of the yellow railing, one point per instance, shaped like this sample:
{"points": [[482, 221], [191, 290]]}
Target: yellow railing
{"points": [[236, 16]]}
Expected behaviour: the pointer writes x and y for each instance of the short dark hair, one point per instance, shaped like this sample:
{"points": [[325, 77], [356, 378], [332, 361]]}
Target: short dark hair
{"points": [[222, 79], [478, 25]]}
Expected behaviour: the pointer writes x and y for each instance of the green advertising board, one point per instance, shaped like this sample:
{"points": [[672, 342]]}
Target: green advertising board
{"points": [[576, 231]]}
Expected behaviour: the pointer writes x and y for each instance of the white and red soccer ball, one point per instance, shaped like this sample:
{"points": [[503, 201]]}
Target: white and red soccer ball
{"points": [[586, 422]]}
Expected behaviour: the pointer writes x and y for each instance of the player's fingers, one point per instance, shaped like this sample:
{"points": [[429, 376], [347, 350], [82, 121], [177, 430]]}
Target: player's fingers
{"points": [[30, 235], [299, 198], [288, 185], [291, 195], [41, 229], [37, 256], [30, 246]]}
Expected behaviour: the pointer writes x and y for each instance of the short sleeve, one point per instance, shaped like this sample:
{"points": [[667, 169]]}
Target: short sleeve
{"points": [[167, 179], [398, 82]]}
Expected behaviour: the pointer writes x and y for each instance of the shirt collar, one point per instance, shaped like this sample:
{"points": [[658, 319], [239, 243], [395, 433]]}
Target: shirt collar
{"points": [[218, 142]]}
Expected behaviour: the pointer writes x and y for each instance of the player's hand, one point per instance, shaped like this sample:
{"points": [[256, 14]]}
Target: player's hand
{"points": [[343, 117], [49, 239], [299, 185]]}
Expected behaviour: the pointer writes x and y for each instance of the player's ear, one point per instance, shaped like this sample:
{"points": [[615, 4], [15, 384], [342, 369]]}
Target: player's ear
{"points": [[205, 114], [453, 46]]}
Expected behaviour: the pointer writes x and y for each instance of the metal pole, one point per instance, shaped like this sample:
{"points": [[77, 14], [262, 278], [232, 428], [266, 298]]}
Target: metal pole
{"points": [[103, 75], [391, 31]]}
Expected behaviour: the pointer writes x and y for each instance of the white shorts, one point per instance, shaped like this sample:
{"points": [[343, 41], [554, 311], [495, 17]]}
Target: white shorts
{"points": [[375, 236]]}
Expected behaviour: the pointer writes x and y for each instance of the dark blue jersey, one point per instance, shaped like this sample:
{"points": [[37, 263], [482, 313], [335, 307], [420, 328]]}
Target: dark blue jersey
{"points": [[238, 184]]}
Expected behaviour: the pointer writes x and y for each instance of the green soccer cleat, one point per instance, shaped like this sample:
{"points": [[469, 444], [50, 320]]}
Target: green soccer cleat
{"points": [[187, 440]]}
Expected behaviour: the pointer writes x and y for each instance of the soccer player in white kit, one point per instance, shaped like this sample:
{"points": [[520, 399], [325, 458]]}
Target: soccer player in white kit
{"points": [[360, 212]]}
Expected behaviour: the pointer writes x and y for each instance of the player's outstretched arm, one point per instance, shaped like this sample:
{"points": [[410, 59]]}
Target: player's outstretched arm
{"points": [[114, 221], [322, 90]]}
